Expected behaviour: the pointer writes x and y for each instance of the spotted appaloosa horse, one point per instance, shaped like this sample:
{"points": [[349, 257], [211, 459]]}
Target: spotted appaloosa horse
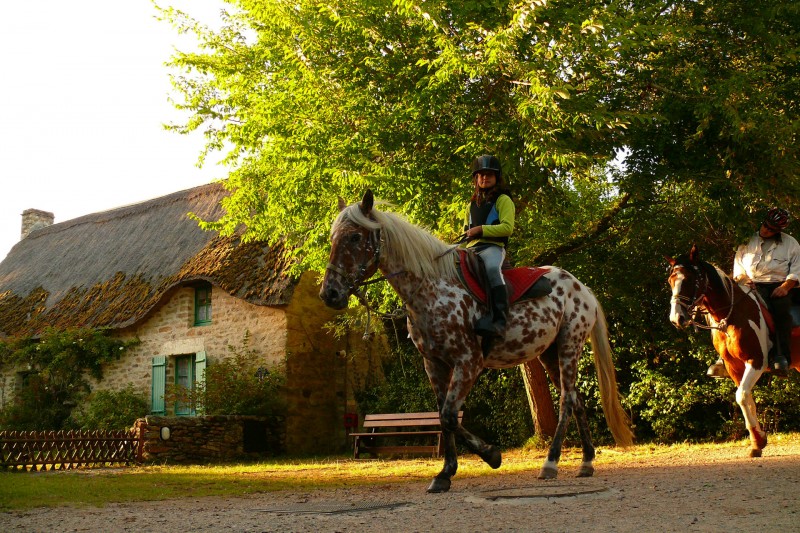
{"points": [[441, 314], [738, 328]]}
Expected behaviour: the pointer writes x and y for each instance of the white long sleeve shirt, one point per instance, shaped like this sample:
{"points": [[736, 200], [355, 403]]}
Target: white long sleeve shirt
{"points": [[767, 260]]}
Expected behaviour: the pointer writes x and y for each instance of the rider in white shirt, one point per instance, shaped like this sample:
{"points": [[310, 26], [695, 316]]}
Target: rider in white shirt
{"points": [[770, 263]]}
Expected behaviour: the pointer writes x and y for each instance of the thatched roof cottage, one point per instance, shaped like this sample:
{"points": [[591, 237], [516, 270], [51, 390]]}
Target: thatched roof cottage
{"points": [[148, 271]]}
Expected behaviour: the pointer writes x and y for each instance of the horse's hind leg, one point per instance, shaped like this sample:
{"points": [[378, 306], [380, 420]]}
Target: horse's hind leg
{"points": [[562, 371], [549, 360]]}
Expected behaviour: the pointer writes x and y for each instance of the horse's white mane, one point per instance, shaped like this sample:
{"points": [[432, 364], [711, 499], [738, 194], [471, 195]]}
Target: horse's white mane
{"points": [[420, 252]]}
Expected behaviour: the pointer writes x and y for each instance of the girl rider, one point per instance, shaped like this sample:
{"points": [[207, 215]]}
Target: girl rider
{"points": [[489, 222]]}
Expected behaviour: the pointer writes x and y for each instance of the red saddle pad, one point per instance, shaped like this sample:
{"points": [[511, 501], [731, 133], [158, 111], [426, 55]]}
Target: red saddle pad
{"points": [[519, 279]]}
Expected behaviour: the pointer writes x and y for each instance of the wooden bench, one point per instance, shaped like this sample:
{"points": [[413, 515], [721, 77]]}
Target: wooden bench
{"points": [[399, 425]]}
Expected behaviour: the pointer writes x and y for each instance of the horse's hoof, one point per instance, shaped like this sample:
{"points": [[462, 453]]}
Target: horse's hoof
{"points": [[438, 485], [586, 471], [548, 472], [758, 440], [755, 453], [493, 457]]}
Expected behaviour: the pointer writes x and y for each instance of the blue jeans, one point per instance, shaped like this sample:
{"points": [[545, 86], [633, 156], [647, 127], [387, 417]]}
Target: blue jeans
{"points": [[492, 256]]}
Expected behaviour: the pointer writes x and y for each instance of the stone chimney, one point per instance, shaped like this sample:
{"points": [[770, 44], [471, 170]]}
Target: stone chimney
{"points": [[33, 219]]}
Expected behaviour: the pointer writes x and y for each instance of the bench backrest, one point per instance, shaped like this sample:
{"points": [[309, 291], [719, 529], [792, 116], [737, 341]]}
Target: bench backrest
{"points": [[404, 419]]}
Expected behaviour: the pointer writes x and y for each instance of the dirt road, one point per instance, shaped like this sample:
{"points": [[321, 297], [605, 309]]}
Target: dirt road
{"points": [[716, 489]]}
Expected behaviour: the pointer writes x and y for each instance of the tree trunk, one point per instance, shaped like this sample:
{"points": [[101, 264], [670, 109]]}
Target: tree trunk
{"points": [[539, 399]]}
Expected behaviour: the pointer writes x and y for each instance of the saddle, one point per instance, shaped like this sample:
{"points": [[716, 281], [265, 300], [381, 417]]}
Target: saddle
{"points": [[523, 283]]}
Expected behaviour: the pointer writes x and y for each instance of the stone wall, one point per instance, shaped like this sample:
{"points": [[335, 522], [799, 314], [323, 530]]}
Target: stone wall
{"points": [[209, 438], [322, 372]]}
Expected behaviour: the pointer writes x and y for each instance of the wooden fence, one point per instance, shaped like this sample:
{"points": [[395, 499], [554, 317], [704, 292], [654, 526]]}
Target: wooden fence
{"points": [[43, 450]]}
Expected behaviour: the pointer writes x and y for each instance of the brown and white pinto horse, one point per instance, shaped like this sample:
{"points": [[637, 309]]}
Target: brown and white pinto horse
{"points": [[738, 326], [441, 314]]}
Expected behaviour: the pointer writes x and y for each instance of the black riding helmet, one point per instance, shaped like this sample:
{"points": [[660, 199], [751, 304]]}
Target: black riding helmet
{"points": [[487, 162]]}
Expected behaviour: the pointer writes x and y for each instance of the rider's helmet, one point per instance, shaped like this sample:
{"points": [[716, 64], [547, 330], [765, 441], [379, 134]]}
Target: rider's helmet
{"points": [[487, 162], [776, 219]]}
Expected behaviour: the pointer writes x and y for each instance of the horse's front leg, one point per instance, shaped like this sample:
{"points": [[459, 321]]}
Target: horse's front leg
{"points": [[462, 378], [439, 376], [744, 397]]}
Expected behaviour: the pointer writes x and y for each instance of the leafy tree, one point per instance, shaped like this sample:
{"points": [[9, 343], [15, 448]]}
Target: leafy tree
{"points": [[314, 100]]}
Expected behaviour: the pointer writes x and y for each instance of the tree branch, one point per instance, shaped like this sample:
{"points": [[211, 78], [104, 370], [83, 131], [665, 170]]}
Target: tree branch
{"points": [[548, 257]]}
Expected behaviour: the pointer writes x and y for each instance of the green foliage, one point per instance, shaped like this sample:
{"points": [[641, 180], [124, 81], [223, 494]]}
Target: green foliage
{"points": [[55, 367], [111, 410], [497, 408], [317, 100], [236, 385], [406, 388]]}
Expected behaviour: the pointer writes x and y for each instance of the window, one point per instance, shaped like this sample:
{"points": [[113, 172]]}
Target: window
{"points": [[188, 371], [202, 304], [184, 377]]}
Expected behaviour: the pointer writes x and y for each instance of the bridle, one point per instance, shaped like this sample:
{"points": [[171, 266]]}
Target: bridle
{"points": [[356, 282], [694, 308]]}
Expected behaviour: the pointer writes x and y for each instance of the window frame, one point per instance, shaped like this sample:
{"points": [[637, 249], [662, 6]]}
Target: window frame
{"points": [[202, 305]]}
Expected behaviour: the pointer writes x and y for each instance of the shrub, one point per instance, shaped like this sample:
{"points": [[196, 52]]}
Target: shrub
{"points": [[110, 410], [235, 386]]}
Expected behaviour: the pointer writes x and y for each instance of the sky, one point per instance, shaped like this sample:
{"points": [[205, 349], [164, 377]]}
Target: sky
{"points": [[84, 95]]}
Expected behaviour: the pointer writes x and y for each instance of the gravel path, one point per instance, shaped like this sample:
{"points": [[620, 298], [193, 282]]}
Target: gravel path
{"points": [[695, 489]]}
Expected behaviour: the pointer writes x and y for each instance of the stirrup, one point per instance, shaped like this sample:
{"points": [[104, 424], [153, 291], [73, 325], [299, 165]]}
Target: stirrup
{"points": [[717, 371], [779, 367]]}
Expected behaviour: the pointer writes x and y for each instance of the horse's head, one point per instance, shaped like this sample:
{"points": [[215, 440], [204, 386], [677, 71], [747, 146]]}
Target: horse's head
{"points": [[688, 284], [355, 252]]}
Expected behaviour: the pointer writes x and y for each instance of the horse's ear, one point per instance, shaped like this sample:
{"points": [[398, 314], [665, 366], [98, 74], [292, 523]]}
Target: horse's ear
{"points": [[670, 260], [342, 204], [694, 254], [366, 202]]}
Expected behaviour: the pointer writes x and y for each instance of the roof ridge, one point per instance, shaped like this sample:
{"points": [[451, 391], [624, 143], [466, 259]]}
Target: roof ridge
{"points": [[129, 209]]}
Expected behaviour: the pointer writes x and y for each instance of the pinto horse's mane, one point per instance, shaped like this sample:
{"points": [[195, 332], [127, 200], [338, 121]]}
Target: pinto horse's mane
{"points": [[419, 251]]}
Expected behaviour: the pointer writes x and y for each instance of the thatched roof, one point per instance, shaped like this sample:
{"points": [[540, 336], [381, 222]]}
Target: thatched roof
{"points": [[112, 269]]}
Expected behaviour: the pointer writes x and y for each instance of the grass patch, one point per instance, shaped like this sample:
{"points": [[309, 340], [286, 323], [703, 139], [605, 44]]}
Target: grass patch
{"points": [[97, 487]]}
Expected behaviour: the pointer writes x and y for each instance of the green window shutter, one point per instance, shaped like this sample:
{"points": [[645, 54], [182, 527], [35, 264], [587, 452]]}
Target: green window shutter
{"points": [[200, 364], [200, 367], [159, 385]]}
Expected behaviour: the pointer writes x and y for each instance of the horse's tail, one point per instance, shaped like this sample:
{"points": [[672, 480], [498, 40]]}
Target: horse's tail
{"points": [[617, 419]]}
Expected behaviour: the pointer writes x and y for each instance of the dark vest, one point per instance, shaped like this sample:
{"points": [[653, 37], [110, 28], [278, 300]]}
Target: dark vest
{"points": [[485, 215]]}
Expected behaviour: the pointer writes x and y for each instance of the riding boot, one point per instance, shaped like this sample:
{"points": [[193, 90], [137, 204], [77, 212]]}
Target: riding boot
{"points": [[717, 370], [499, 310], [493, 324], [783, 328]]}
